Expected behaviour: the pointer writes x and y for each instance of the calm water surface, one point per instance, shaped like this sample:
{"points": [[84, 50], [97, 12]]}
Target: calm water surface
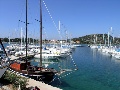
{"points": [[97, 71]]}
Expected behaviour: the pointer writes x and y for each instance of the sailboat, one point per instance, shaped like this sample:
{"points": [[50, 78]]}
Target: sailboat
{"points": [[25, 68]]}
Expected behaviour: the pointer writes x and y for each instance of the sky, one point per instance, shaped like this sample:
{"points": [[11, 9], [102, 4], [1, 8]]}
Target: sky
{"points": [[77, 18]]}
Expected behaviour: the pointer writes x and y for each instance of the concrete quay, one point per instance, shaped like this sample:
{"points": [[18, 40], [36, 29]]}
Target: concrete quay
{"points": [[42, 86]]}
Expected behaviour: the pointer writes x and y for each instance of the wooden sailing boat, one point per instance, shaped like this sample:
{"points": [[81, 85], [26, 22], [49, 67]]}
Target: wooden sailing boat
{"points": [[24, 67]]}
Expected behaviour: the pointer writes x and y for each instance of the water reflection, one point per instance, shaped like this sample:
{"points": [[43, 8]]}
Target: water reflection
{"points": [[94, 52], [66, 64], [45, 62]]}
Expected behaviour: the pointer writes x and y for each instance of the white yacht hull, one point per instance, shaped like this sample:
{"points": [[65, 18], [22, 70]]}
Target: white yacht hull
{"points": [[47, 56]]}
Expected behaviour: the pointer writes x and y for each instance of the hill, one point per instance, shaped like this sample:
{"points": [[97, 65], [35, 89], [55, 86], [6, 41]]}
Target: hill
{"points": [[97, 39]]}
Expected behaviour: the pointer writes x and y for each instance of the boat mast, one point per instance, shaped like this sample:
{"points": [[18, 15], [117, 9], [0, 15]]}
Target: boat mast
{"points": [[21, 39], [26, 32], [40, 33], [9, 39]]}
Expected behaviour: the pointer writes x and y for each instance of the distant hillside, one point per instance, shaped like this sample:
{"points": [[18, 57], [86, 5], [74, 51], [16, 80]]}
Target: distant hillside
{"points": [[97, 38]]}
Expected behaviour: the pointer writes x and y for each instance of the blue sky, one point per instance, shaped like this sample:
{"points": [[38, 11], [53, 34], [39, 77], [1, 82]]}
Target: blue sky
{"points": [[77, 17]]}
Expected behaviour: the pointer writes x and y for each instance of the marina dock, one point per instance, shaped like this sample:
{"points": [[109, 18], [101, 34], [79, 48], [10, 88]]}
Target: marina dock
{"points": [[31, 84], [42, 86]]}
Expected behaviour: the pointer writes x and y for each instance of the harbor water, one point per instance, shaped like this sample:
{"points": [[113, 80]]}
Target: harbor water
{"points": [[96, 70]]}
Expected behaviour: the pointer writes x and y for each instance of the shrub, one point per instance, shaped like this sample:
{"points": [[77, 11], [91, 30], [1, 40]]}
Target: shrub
{"points": [[16, 80]]}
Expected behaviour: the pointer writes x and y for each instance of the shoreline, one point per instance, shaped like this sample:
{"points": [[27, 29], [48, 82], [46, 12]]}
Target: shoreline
{"points": [[41, 85], [31, 83]]}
